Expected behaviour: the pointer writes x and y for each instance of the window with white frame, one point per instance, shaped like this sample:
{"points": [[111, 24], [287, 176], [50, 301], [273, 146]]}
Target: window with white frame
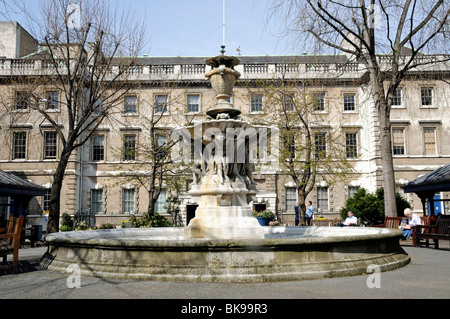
{"points": [[256, 103], [349, 102], [319, 101], [161, 202], [429, 137], [352, 190], [50, 145], [322, 198], [397, 97], [320, 145], [291, 198], [398, 141], [426, 94], [289, 100], [129, 147], [161, 103], [127, 200], [52, 100], [19, 147], [21, 101], [351, 144], [193, 103], [98, 148], [130, 105], [46, 200], [96, 201]]}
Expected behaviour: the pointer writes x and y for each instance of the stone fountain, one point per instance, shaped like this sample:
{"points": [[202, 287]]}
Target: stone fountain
{"points": [[223, 179], [224, 243]]}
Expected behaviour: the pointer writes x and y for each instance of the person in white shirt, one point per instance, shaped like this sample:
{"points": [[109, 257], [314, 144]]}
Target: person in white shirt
{"points": [[413, 220], [350, 220]]}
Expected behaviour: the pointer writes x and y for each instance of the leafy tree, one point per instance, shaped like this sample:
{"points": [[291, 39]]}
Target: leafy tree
{"points": [[370, 207]]}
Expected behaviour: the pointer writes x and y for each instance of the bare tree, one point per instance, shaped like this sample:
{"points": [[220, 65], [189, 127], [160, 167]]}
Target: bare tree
{"points": [[311, 143], [152, 166], [388, 37], [81, 57]]}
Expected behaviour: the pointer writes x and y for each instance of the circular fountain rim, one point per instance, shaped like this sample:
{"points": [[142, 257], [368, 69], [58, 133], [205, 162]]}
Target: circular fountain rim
{"points": [[275, 236]]}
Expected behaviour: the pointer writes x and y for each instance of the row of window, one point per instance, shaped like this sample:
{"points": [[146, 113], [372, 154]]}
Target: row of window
{"points": [[128, 201], [321, 195], [256, 101], [50, 147], [348, 100]]}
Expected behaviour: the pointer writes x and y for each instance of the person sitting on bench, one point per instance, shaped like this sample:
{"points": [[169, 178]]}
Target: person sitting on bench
{"points": [[350, 220], [413, 220]]}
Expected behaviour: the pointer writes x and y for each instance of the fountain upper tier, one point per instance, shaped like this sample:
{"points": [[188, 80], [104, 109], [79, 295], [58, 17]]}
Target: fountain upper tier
{"points": [[222, 78]]}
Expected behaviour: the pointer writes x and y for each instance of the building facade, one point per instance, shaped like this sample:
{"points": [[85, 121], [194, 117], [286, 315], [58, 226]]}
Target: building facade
{"points": [[94, 185]]}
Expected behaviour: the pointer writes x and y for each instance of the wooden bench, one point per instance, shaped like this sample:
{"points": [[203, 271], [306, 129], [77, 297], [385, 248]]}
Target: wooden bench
{"points": [[10, 243], [436, 232], [395, 222], [391, 222]]}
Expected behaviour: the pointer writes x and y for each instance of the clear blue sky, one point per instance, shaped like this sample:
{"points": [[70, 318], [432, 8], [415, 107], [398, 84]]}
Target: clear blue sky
{"points": [[194, 27]]}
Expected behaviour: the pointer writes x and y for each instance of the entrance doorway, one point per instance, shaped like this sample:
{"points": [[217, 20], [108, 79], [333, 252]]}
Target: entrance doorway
{"points": [[190, 212]]}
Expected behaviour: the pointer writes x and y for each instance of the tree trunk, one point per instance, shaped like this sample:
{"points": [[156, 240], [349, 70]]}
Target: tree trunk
{"points": [[387, 162], [301, 206], [55, 194]]}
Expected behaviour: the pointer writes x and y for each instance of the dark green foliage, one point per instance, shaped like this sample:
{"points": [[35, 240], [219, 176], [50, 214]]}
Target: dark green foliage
{"points": [[370, 207]]}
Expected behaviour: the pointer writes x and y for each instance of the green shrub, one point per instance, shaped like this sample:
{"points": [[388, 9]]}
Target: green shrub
{"points": [[370, 207]]}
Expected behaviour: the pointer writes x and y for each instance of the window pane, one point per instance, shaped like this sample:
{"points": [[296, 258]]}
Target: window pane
{"points": [[129, 147], [19, 145], [128, 201], [50, 145], [46, 200], [319, 101], [322, 198], [256, 103], [352, 190], [320, 144], [430, 141], [161, 104], [427, 96], [21, 102], [52, 100], [289, 102], [161, 202], [130, 105], [397, 98], [97, 201], [291, 198], [351, 145], [193, 104], [98, 148], [398, 141], [349, 102]]}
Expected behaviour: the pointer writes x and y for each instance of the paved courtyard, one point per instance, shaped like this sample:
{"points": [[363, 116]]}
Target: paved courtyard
{"points": [[425, 277]]}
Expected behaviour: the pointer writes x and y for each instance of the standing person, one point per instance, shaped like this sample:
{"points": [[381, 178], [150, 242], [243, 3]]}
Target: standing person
{"points": [[413, 220], [297, 218], [309, 213]]}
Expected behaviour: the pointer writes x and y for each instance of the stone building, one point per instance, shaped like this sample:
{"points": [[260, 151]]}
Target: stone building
{"points": [[181, 93]]}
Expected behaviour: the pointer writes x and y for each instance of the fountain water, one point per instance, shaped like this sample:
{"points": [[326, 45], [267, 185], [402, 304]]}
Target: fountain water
{"points": [[224, 243]]}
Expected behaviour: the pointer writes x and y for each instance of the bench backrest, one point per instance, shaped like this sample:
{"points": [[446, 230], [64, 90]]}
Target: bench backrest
{"points": [[14, 226], [392, 222], [443, 225]]}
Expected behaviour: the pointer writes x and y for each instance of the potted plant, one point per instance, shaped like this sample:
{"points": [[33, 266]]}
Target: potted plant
{"points": [[264, 217]]}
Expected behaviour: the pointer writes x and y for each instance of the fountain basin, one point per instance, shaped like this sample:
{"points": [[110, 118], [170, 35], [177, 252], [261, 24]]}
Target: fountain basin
{"points": [[286, 253]]}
